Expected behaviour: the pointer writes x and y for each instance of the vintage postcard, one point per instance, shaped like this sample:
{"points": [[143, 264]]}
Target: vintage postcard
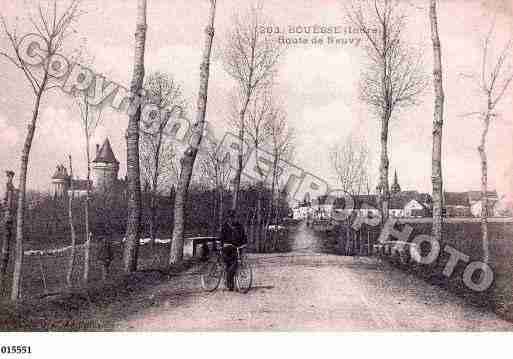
{"points": [[267, 165]]}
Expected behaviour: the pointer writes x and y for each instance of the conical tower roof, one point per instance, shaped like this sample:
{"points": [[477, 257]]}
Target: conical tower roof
{"points": [[60, 173], [106, 155]]}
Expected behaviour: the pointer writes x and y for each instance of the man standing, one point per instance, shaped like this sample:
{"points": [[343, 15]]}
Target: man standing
{"points": [[232, 234]]}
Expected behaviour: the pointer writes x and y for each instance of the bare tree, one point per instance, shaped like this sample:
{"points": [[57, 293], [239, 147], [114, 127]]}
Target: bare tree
{"points": [[250, 58], [493, 82], [281, 137], [90, 119], [158, 153], [189, 156], [393, 78], [133, 170], [216, 169], [54, 27], [438, 120], [350, 162], [71, 195], [259, 113]]}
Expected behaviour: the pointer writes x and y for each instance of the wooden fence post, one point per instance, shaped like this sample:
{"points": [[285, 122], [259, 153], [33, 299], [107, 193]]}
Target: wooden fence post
{"points": [[7, 223]]}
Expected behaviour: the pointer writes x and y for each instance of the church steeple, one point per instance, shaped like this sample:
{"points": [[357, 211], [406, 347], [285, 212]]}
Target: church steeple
{"points": [[395, 186]]}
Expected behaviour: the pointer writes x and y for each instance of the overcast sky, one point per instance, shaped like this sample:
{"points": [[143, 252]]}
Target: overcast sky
{"points": [[317, 85]]}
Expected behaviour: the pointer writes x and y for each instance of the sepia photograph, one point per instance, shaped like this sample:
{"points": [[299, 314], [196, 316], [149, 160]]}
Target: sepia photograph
{"points": [[256, 166]]}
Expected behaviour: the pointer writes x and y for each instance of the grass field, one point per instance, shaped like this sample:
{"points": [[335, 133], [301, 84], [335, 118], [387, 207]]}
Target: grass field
{"points": [[463, 234], [466, 237], [46, 274], [43, 275]]}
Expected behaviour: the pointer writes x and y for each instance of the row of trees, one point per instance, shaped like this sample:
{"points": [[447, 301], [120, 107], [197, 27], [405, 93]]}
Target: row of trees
{"points": [[48, 226], [394, 79], [152, 157], [251, 59]]}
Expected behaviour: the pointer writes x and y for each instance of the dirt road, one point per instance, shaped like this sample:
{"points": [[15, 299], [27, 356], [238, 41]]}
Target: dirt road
{"points": [[310, 291]]}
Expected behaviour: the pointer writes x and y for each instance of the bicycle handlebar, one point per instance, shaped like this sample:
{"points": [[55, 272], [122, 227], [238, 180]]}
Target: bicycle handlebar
{"points": [[219, 248]]}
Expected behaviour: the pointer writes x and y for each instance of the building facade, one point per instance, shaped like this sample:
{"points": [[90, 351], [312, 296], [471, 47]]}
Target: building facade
{"points": [[104, 175]]}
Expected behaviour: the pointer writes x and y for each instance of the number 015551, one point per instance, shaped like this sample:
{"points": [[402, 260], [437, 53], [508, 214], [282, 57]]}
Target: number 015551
{"points": [[15, 349]]}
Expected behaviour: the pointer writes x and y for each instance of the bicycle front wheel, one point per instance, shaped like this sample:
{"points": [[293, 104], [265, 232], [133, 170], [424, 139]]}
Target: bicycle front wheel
{"points": [[211, 276], [244, 277]]}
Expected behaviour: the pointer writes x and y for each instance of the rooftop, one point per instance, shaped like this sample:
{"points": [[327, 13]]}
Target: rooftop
{"points": [[476, 195], [105, 154], [61, 173]]}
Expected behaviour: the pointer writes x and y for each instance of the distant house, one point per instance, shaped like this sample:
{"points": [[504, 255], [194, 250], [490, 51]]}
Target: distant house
{"points": [[414, 208], [402, 204], [476, 204], [457, 204], [503, 208], [467, 204], [301, 211], [406, 204], [322, 207], [410, 204], [364, 205]]}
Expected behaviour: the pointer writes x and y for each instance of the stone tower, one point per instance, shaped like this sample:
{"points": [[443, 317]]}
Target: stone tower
{"points": [[60, 181], [105, 168], [395, 189]]}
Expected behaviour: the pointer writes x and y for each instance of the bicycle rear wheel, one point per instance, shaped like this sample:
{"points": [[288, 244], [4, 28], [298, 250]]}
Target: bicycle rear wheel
{"points": [[211, 275], [244, 277]]}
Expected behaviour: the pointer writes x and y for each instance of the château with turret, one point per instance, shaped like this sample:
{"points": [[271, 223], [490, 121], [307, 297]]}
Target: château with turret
{"points": [[104, 175]]}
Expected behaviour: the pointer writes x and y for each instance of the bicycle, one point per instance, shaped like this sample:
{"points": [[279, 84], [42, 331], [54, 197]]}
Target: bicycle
{"points": [[215, 270]]}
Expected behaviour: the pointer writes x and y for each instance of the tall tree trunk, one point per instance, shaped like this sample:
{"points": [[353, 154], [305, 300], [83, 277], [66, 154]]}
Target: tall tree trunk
{"points": [[133, 170], [153, 195], [484, 186], [383, 168], [260, 240], [153, 206], [187, 162], [213, 215], [22, 187], [277, 210], [240, 157], [272, 202], [261, 236], [71, 263], [87, 248], [153, 217], [438, 118], [221, 208], [7, 221]]}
